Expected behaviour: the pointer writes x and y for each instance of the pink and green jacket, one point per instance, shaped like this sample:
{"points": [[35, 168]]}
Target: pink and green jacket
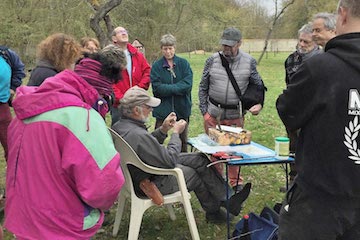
{"points": [[63, 169]]}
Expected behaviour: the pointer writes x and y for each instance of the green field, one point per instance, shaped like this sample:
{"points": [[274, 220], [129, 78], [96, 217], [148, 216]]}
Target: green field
{"points": [[266, 180]]}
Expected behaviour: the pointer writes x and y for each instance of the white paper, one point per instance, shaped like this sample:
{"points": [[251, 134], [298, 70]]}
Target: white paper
{"points": [[230, 129]]}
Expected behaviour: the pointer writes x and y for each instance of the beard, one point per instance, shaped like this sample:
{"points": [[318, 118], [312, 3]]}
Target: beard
{"points": [[143, 118]]}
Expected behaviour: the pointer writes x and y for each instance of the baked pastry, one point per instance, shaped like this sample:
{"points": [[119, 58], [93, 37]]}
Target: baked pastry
{"points": [[223, 137]]}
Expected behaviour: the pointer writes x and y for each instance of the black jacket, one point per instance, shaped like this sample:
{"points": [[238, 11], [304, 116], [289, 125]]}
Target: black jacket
{"points": [[42, 71], [323, 100]]}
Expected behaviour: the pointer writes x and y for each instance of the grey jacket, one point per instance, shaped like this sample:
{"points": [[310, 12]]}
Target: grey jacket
{"points": [[215, 84], [149, 148]]}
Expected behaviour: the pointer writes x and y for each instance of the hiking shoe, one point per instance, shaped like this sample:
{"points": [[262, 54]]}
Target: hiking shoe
{"points": [[218, 217], [237, 188], [236, 200]]}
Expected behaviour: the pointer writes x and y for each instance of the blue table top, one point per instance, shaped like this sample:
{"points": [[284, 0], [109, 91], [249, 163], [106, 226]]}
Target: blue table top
{"points": [[253, 153]]}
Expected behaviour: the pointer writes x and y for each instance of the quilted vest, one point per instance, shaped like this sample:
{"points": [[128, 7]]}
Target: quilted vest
{"points": [[220, 87]]}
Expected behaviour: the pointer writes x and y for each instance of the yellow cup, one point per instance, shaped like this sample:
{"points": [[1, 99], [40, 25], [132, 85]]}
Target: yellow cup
{"points": [[282, 145]]}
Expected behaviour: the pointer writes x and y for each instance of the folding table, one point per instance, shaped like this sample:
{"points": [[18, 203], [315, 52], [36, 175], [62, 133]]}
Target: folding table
{"points": [[252, 154]]}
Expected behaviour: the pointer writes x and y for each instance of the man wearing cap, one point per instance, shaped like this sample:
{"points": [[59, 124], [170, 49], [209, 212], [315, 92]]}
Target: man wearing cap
{"points": [[208, 185], [218, 100]]}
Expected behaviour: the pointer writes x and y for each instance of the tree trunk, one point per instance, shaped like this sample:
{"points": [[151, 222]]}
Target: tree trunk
{"points": [[276, 17], [101, 13]]}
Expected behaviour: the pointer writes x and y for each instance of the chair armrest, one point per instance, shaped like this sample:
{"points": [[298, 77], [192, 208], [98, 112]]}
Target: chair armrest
{"points": [[155, 170], [177, 172]]}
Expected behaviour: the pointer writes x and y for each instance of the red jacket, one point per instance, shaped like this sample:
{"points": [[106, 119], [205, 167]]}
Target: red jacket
{"points": [[140, 74]]}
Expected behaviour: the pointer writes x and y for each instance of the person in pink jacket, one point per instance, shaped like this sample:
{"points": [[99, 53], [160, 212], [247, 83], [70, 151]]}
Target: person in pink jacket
{"points": [[63, 170], [136, 73]]}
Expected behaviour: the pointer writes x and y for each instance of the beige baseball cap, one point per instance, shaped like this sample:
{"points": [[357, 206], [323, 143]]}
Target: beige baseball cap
{"points": [[136, 96]]}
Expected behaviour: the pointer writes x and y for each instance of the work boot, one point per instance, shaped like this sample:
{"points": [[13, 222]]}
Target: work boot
{"points": [[236, 200]]}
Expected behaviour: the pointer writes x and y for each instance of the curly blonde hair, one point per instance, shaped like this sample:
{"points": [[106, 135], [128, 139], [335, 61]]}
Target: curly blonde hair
{"points": [[60, 50]]}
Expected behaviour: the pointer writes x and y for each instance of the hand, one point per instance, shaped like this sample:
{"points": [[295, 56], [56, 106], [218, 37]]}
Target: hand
{"points": [[206, 116], [179, 126], [12, 94], [255, 110], [168, 123]]}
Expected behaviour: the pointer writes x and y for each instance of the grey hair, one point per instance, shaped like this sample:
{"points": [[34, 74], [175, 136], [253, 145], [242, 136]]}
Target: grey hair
{"points": [[126, 111], [114, 52], [306, 28], [167, 40], [352, 5], [329, 20]]}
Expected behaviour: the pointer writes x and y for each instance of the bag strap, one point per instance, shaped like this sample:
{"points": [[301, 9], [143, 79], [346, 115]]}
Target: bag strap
{"points": [[225, 64]]}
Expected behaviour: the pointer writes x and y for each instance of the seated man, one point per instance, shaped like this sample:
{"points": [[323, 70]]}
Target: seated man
{"points": [[208, 185]]}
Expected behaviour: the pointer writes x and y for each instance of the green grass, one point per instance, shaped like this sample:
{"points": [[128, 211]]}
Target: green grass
{"points": [[266, 180]]}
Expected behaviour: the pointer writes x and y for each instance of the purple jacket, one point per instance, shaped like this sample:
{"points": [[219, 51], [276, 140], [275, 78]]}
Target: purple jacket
{"points": [[63, 169]]}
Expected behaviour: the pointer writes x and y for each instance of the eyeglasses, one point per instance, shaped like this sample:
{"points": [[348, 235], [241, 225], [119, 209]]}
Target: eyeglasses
{"points": [[147, 107], [122, 32]]}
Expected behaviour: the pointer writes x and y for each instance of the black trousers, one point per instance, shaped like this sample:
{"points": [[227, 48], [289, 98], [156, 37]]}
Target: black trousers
{"points": [[307, 217], [207, 184]]}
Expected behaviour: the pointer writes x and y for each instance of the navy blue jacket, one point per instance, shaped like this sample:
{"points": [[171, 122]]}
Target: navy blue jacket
{"points": [[17, 66]]}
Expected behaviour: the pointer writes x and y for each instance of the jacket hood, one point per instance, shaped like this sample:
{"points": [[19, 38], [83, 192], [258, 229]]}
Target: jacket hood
{"points": [[346, 47], [62, 90]]}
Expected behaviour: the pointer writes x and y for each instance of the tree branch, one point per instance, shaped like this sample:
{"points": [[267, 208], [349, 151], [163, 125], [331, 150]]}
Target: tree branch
{"points": [[101, 13], [276, 17]]}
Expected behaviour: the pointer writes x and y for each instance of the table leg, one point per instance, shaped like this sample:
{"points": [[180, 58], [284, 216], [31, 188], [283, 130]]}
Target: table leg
{"points": [[287, 176], [227, 201]]}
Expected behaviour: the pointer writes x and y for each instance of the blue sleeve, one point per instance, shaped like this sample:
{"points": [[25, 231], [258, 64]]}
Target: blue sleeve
{"points": [[17, 69]]}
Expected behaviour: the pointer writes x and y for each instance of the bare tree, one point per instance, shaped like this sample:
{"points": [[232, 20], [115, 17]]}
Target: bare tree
{"points": [[101, 13], [277, 15]]}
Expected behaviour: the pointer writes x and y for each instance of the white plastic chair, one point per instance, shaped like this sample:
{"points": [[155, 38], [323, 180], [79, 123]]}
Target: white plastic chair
{"points": [[140, 205]]}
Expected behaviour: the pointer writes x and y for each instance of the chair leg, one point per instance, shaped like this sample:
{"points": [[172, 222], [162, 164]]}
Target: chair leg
{"points": [[171, 211], [191, 219], [119, 213], [137, 212]]}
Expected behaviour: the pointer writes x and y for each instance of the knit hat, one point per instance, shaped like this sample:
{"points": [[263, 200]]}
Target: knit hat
{"points": [[137, 96], [230, 37], [89, 70]]}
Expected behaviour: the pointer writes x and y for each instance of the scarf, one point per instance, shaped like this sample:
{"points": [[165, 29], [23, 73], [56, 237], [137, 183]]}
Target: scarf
{"points": [[306, 56], [89, 70]]}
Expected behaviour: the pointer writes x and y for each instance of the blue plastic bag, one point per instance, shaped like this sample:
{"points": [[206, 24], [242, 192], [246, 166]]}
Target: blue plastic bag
{"points": [[261, 227]]}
